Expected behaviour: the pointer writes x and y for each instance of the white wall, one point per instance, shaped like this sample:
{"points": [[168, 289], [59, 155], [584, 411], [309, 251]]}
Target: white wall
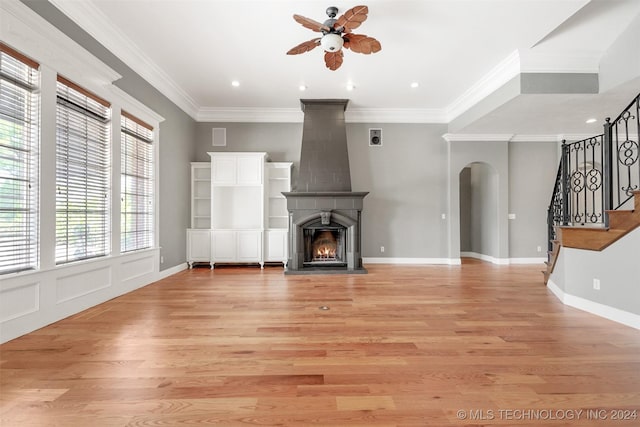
{"points": [[621, 62]]}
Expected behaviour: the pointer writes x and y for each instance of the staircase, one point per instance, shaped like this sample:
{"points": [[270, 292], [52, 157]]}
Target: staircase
{"points": [[596, 195]]}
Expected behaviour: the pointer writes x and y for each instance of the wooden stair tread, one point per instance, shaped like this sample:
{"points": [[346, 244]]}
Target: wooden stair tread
{"points": [[621, 222]]}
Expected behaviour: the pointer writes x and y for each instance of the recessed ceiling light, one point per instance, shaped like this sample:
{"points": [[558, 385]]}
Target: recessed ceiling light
{"points": [[302, 87], [592, 120], [415, 85], [350, 86], [235, 83]]}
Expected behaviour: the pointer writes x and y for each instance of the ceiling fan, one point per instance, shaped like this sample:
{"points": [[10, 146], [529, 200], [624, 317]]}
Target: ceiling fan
{"points": [[336, 34]]}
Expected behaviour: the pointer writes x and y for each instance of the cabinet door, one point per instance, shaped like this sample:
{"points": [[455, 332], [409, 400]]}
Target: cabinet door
{"points": [[249, 246], [223, 245], [198, 246], [223, 170], [249, 170], [276, 245]]}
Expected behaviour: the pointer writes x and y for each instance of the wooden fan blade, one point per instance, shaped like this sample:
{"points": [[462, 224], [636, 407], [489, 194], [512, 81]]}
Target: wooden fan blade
{"points": [[352, 18], [311, 24], [333, 60], [361, 43], [304, 47]]}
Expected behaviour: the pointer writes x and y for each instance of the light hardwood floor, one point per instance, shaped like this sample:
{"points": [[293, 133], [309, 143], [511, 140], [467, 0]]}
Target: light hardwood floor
{"points": [[400, 346]]}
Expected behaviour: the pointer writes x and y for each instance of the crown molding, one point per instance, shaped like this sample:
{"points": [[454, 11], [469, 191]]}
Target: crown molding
{"points": [[250, 115], [93, 21], [395, 115], [453, 137], [497, 77], [31, 34], [135, 107], [535, 138], [560, 62], [295, 115]]}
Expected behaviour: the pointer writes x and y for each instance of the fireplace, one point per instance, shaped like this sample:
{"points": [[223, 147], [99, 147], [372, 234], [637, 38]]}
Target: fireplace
{"points": [[324, 214], [324, 232]]}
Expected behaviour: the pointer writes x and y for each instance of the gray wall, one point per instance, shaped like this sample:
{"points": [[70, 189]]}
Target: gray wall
{"points": [[465, 210], [462, 154], [532, 171], [484, 210], [282, 141], [407, 181], [406, 178], [177, 134]]}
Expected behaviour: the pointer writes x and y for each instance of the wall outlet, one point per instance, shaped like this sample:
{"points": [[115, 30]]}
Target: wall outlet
{"points": [[444, 216], [512, 216], [596, 284], [381, 248], [539, 248], [161, 259]]}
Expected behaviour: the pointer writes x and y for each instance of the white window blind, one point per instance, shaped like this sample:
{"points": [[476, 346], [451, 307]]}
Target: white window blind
{"points": [[19, 78], [137, 196], [82, 174]]}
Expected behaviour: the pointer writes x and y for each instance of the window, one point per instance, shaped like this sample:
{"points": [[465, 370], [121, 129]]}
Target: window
{"points": [[82, 174], [137, 197], [19, 132]]}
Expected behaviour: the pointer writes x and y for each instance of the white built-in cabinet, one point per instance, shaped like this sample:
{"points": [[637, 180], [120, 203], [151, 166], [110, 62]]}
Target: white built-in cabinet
{"points": [[278, 178], [238, 212], [237, 207], [199, 235]]}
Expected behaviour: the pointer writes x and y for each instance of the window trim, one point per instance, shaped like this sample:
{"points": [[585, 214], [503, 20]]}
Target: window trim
{"points": [[140, 140], [24, 188], [88, 128]]}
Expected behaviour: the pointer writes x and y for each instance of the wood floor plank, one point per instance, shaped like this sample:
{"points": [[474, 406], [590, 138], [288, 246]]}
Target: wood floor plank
{"points": [[400, 346]]}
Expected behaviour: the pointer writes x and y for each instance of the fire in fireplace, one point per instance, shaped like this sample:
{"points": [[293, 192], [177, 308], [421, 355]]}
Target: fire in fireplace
{"points": [[324, 246]]}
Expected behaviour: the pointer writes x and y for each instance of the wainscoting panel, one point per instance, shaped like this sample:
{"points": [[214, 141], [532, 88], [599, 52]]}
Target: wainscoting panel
{"points": [[135, 268], [20, 300], [83, 283], [33, 299]]}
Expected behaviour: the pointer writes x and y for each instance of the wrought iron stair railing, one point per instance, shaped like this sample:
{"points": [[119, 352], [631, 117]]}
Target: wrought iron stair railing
{"points": [[597, 174]]}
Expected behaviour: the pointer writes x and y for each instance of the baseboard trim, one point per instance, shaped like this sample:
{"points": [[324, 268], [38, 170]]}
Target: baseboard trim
{"points": [[487, 258], [502, 261], [624, 317], [415, 261], [540, 260], [172, 270]]}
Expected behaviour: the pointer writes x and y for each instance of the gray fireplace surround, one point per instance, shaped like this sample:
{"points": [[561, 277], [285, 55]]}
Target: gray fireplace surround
{"points": [[332, 209], [322, 198]]}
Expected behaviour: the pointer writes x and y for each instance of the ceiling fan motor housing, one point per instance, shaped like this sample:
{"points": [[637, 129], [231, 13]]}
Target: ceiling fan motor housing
{"points": [[332, 11]]}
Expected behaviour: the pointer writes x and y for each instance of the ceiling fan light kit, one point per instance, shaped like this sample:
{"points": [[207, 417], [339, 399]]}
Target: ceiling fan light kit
{"points": [[336, 35], [331, 42]]}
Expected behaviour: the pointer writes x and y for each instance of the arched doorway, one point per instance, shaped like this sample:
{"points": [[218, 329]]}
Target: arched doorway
{"points": [[479, 218]]}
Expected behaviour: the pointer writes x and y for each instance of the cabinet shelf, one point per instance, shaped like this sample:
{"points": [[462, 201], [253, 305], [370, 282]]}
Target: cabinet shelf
{"points": [[200, 196]]}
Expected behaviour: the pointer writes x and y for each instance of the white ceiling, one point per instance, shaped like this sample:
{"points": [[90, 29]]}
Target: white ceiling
{"points": [[457, 50]]}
